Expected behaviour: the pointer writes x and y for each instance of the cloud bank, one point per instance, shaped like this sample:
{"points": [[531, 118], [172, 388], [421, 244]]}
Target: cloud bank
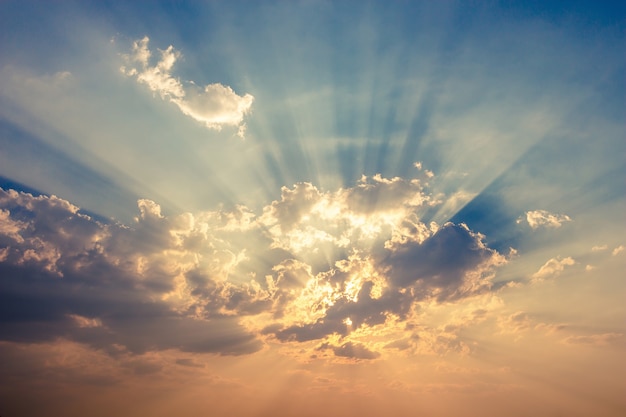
{"points": [[551, 268], [314, 266], [214, 105]]}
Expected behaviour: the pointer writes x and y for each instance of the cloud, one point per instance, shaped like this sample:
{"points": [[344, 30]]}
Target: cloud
{"points": [[66, 274], [543, 218], [351, 350], [214, 105], [452, 263], [189, 281], [551, 268], [617, 250]]}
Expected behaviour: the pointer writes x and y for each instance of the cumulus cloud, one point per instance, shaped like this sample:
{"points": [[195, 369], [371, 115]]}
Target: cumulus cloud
{"points": [[397, 260], [313, 266], [306, 219], [551, 268], [214, 105], [102, 284], [542, 218]]}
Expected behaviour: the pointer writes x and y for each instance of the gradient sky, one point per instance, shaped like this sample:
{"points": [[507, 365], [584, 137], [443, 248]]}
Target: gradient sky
{"points": [[312, 208]]}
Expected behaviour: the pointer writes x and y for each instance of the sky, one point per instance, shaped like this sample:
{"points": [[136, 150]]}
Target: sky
{"points": [[312, 208]]}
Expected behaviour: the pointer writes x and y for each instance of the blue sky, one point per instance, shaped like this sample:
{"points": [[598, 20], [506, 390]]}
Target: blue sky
{"points": [[325, 189]]}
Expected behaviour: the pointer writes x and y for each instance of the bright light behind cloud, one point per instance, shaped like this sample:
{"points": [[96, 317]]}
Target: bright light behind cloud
{"points": [[424, 219], [214, 105], [543, 218]]}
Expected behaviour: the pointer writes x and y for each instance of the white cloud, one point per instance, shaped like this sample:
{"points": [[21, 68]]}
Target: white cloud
{"points": [[214, 105], [543, 218], [375, 207], [552, 268], [617, 250], [117, 281]]}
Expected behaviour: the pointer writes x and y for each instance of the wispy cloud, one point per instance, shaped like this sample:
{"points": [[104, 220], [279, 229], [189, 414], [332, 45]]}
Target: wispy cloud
{"points": [[552, 267], [599, 340]]}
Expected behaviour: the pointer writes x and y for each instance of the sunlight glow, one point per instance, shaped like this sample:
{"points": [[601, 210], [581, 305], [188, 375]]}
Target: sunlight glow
{"points": [[312, 209]]}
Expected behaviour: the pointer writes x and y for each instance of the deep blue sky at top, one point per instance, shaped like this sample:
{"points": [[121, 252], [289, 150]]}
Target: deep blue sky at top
{"points": [[189, 25], [511, 53]]}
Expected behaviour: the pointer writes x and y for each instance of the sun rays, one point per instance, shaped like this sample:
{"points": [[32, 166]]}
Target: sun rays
{"points": [[311, 208]]}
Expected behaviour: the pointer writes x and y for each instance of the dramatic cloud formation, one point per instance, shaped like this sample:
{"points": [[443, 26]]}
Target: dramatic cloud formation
{"points": [[66, 274], [322, 264], [424, 218], [214, 105]]}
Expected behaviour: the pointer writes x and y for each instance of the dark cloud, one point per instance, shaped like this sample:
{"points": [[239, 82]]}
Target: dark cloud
{"points": [[189, 363], [452, 263], [364, 311], [313, 331], [350, 350], [66, 275]]}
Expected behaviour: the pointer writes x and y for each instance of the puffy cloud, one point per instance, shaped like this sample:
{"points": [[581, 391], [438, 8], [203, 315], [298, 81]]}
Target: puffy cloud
{"points": [[543, 218], [214, 105], [100, 284], [453, 263], [10, 228], [214, 281], [306, 219], [617, 250], [345, 315], [552, 268]]}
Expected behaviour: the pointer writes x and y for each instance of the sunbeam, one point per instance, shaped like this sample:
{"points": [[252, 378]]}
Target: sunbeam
{"points": [[312, 208]]}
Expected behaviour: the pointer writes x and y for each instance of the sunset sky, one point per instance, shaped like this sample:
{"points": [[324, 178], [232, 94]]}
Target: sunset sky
{"points": [[312, 208]]}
